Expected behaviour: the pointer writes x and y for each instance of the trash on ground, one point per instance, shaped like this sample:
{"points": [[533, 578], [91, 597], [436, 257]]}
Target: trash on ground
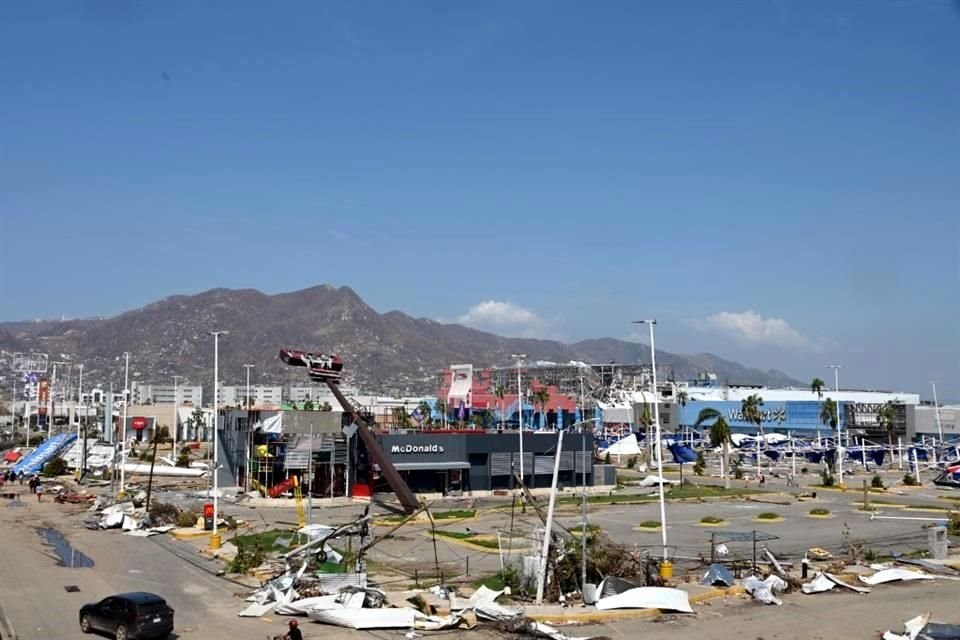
{"points": [[893, 575], [827, 581], [764, 590], [718, 575], [920, 628], [665, 598]]}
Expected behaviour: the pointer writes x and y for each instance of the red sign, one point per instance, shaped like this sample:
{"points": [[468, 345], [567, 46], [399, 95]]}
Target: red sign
{"points": [[138, 424], [43, 396]]}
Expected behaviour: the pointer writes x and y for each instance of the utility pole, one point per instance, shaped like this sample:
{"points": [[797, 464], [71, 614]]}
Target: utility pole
{"points": [[123, 427], [83, 443], [215, 537], [176, 418], [656, 423], [249, 428]]}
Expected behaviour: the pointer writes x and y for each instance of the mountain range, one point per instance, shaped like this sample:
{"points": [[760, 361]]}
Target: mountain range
{"points": [[389, 353]]}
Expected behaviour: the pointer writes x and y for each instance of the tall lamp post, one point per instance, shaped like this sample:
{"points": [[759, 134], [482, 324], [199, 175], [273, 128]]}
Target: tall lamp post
{"points": [[520, 357], [82, 459], [936, 408], [173, 453], [656, 423], [836, 387], [215, 536], [123, 427], [246, 401]]}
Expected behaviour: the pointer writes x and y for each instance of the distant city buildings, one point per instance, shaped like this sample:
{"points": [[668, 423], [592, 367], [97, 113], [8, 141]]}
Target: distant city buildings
{"points": [[164, 394]]}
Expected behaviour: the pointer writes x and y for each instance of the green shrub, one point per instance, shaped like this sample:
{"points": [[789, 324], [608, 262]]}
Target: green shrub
{"points": [[710, 520], [162, 513], [183, 460], [700, 465], [738, 472], [186, 519], [819, 511], [249, 556], [909, 480], [631, 462], [697, 469], [56, 467], [953, 523], [804, 470], [768, 515], [607, 459], [876, 482], [650, 524]]}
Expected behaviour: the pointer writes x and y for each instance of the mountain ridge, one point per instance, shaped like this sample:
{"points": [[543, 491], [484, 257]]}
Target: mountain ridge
{"points": [[390, 352]]}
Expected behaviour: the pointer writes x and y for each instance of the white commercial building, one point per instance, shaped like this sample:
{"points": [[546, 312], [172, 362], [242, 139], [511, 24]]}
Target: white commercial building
{"points": [[189, 395], [235, 395]]}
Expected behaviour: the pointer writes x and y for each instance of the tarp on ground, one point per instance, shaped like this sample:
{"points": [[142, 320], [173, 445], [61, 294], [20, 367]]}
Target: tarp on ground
{"points": [[682, 453], [626, 446]]}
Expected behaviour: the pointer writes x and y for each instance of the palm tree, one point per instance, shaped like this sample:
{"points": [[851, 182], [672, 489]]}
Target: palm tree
{"points": [[500, 391], [425, 411], [647, 421], [816, 386], [401, 417], [719, 437], [682, 398], [887, 419], [752, 410], [443, 409], [829, 417], [542, 396]]}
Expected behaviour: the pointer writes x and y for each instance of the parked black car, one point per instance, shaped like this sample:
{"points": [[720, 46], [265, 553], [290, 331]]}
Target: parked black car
{"points": [[129, 616]]}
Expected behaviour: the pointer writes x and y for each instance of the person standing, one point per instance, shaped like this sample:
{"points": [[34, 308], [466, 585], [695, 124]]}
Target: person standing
{"points": [[39, 491]]}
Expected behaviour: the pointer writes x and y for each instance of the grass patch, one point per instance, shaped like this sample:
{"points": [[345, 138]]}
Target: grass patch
{"points": [[266, 539], [649, 524], [456, 535], [685, 492], [711, 520], [455, 514], [591, 529], [768, 515], [819, 511]]}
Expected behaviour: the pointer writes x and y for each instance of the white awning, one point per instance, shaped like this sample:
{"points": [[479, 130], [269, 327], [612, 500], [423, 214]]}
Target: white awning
{"points": [[439, 466]]}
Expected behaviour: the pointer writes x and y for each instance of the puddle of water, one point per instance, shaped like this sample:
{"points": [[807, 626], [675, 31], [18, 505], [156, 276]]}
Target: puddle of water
{"points": [[69, 557]]}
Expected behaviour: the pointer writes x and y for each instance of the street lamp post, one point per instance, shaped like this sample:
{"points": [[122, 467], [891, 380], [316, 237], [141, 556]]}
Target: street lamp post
{"points": [[123, 428], [249, 429], [659, 444], [215, 537], [173, 454], [82, 460], [520, 357], [836, 387]]}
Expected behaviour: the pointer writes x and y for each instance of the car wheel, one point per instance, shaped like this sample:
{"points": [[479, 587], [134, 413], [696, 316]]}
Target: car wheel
{"points": [[85, 623], [121, 632]]}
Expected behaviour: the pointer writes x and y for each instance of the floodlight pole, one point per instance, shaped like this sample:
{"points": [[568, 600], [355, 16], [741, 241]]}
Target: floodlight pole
{"points": [[836, 386], [657, 434]]}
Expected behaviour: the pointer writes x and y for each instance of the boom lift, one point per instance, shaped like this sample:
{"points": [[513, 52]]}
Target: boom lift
{"points": [[327, 369]]}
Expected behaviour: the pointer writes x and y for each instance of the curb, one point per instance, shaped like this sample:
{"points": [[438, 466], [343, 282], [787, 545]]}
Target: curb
{"points": [[628, 614], [188, 535]]}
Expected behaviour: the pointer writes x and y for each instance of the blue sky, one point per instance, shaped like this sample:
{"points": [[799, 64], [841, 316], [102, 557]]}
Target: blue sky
{"points": [[776, 181]]}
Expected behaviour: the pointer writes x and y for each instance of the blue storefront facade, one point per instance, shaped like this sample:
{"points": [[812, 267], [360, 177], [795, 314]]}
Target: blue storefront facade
{"points": [[799, 417]]}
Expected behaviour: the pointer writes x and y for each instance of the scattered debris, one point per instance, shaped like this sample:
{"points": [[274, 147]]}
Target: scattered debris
{"points": [[893, 575], [764, 590], [920, 628], [664, 598], [827, 581], [718, 575]]}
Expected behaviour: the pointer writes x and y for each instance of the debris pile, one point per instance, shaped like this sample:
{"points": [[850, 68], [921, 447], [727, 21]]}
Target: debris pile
{"points": [[920, 628]]}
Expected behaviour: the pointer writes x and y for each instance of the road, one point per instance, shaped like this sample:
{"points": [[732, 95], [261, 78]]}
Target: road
{"points": [[37, 605]]}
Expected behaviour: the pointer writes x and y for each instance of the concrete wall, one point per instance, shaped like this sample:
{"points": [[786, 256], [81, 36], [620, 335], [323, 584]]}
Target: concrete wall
{"points": [[922, 421]]}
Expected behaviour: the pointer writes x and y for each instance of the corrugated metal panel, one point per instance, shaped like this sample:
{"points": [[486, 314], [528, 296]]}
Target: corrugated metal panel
{"points": [[566, 460], [544, 465], [582, 461], [527, 461], [500, 464], [296, 460]]}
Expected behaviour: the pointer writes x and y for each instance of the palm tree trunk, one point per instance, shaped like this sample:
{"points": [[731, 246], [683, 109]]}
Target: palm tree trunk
{"points": [[890, 440], [726, 464]]}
